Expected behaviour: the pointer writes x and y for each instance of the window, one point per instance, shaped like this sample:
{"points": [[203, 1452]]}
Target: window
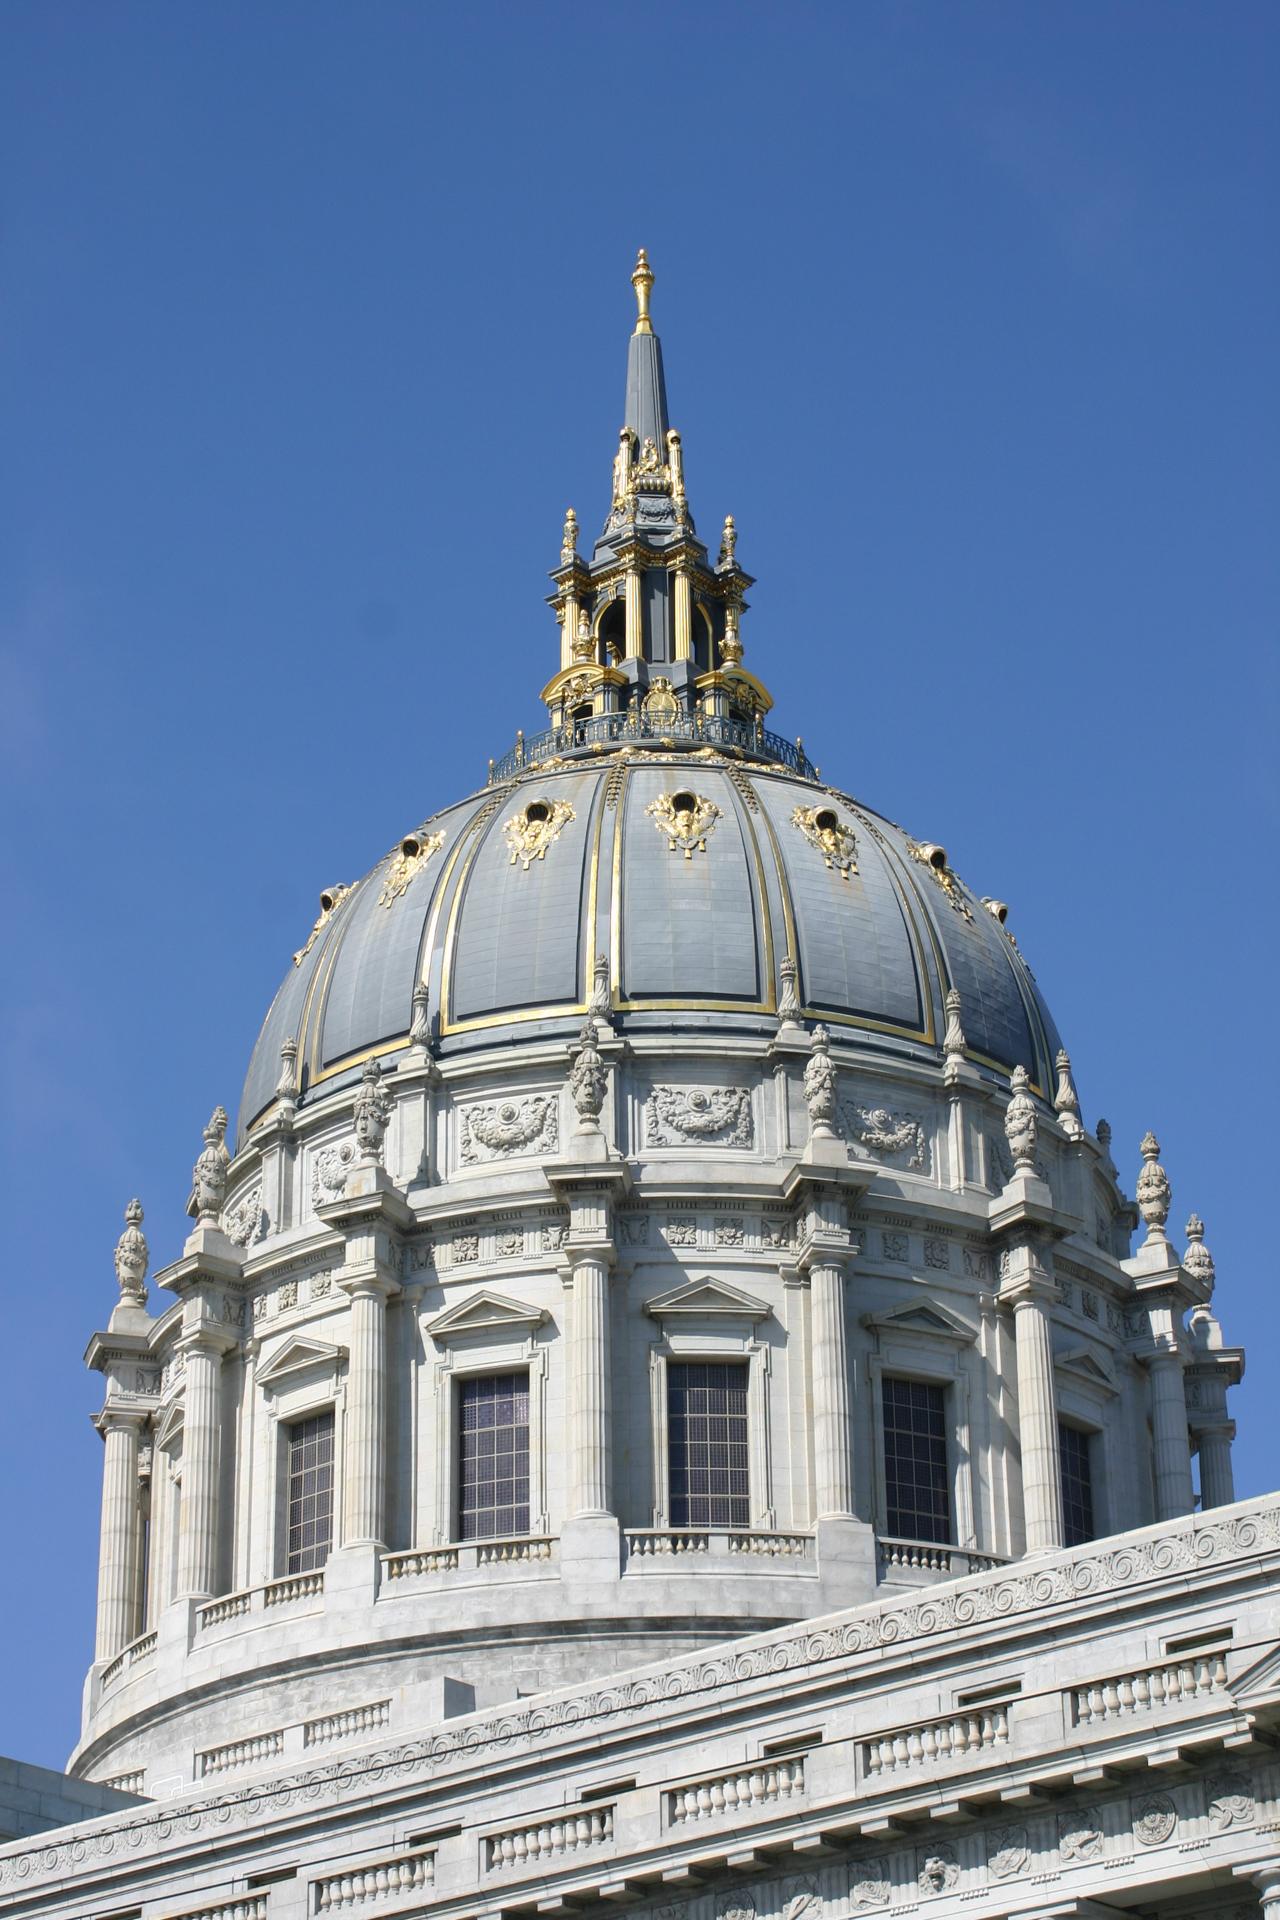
{"points": [[917, 1486], [707, 1444], [493, 1454], [310, 1493], [1075, 1452]]}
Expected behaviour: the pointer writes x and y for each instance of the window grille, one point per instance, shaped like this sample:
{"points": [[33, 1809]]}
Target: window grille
{"points": [[707, 1444], [1075, 1451], [493, 1456], [310, 1493], [917, 1481]]}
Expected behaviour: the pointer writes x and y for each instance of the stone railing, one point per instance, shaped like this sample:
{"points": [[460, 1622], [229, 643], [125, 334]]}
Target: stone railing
{"points": [[254, 1751], [249, 1906], [1148, 1689], [346, 1725], [134, 1655], [748, 1790], [960, 1736], [231, 1606], [294, 1586], [924, 1556], [422, 1563], [133, 1782], [548, 1839], [396, 1879], [719, 1543], [249, 1602]]}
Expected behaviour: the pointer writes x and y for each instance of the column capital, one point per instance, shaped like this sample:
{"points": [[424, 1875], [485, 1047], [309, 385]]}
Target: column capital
{"points": [[366, 1283], [823, 1251], [214, 1341], [117, 1419]]}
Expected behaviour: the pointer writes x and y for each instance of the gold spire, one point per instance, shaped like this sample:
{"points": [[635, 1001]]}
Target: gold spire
{"points": [[642, 281]]}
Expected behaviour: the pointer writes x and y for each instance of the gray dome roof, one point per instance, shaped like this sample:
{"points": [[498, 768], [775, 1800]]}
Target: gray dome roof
{"points": [[506, 938]]}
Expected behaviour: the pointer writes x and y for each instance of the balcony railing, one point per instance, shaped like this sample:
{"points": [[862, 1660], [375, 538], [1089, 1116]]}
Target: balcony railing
{"points": [[674, 730], [925, 1556], [663, 1544]]}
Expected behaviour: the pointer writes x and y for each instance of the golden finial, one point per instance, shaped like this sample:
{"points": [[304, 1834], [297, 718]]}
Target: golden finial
{"points": [[642, 281]]}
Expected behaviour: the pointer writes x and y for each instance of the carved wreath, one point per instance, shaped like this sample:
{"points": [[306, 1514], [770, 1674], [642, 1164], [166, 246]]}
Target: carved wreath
{"points": [[719, 1115], [881, 1131], [510, 1125]]}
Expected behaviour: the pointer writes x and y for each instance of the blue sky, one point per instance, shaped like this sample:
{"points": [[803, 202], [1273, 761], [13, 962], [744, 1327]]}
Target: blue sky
{"points": [[313, 320]]}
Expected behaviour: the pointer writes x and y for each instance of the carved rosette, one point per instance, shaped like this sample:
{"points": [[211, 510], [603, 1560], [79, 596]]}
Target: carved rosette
{"points": [[498, 1129], [823, 828], [1154, 1819], [702, 1116], [686, 819]]}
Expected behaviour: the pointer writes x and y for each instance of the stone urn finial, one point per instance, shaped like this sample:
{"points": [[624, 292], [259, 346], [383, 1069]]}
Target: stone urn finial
{"points": [[420, 1024], [209, 1175], [953, 1040], [372, 1111], [1155, 1195], [820, 1086], [569, 538], [600, 1005], [287, 1084], [588, 1079], [1197, 1260], [1021, 1125], [1066, 1101], [789, 997], [132, 1255]]}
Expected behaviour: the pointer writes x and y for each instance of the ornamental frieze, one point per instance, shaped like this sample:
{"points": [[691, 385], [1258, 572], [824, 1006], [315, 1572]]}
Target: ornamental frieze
{"points": [[889, 1135], [501, 1128], [698, 1116]]}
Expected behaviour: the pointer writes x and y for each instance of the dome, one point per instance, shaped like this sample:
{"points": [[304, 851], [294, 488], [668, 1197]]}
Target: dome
{"points": [[501, 905]]}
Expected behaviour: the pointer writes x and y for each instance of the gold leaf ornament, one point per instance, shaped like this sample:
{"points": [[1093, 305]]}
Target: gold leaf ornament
{"points": [[536, 828]]}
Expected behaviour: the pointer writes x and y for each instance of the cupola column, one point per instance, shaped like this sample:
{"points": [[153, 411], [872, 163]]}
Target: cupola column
{"points": [[590, 1441], [832, 1426], [118, 1566], [201, 1465], [684, 615], [364, 1474], [1170, 1439], [1027, 1288], [1217, 1481]]}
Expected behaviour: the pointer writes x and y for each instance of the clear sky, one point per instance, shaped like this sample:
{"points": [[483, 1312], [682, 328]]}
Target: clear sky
{"points": [[313, 320]]}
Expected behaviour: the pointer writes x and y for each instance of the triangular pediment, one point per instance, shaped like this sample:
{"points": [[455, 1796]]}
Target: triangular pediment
{"points": [[929, 1320], [1260, 1683], [169, 1428], [1086, 1366], [485, 1312], [301, 1356], [703, 1297]]}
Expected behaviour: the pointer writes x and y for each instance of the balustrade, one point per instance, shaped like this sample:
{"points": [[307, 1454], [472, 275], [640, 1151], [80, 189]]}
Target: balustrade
{"points": [[605, 729], [346, 1725], [134, 1655], [1148, 1689], [294, 1586], [250, 1752], [394, 1879], [959, 1736], [926, 1556], [549, 1839], [745, 1791], [662, 1543]]}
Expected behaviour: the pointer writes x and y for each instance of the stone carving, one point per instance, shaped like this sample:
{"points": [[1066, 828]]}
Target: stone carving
{"points": [[728, 543], [510, 1242], [1066, 1101], [1089, 1305], [686, 819], [329, 1172], [321, 1284], [999, 1162], [209, 1175], [788, 998], [1104, 1137], [705, 1116], [286, 1295], [407, 862], [820, 1086], [569, 538], [420, 1021], [1197, 1259], [1229, 1802], [938, 1870], [682, 1233], [869, 1884], [736, 1906], [245, 1220], [330, 900], [661, 702], [1154, 1192], [633, 1229], [371, 1112], [1021, 1126], [889, 1135], [1080, 1834], [1008, 1853], [1154, 1819], [953, 1040], [775, 1233], [132, 1255], [823, 828], [937, 1254], [554, 1235], [260, 1304], [466, 1248], [800, 1897], [895, 1246], [588, 1079], [934, 858], [977, 1266], [530, 833], [510, 1126], [287, 1084], [730, 1232], [600, 1005]]}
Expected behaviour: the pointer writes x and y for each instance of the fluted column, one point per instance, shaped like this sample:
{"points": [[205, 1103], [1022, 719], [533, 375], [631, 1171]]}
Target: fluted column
{"points": [[1169, 1435], [591, 1440], [832, 1426], [364, 1474], [1038, 1424], [1217, 1482], [118, 1617], [201, 1467], [635, 615]]}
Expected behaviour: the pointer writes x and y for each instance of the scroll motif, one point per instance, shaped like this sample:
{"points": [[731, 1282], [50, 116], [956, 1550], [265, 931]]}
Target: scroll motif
{"points": [[406, 863], [869, 1884], [707, 1116], [1009, 1853], [531, 832], [1230, 1802], [245, 1220], [510, 1126], [686, 819], [1080, 1834], [889, 1134], [823, 829]]}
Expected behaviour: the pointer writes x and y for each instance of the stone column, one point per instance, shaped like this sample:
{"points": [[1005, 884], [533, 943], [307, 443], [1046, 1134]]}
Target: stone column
{"points": [[118, 1621], [684, 615], [590, 1434], [635, 615], [1217, 1482], [201, 1467], [1265, 1877], [364, 1472], [1174, 1495], [832, 1427], [1037, 1423]]}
